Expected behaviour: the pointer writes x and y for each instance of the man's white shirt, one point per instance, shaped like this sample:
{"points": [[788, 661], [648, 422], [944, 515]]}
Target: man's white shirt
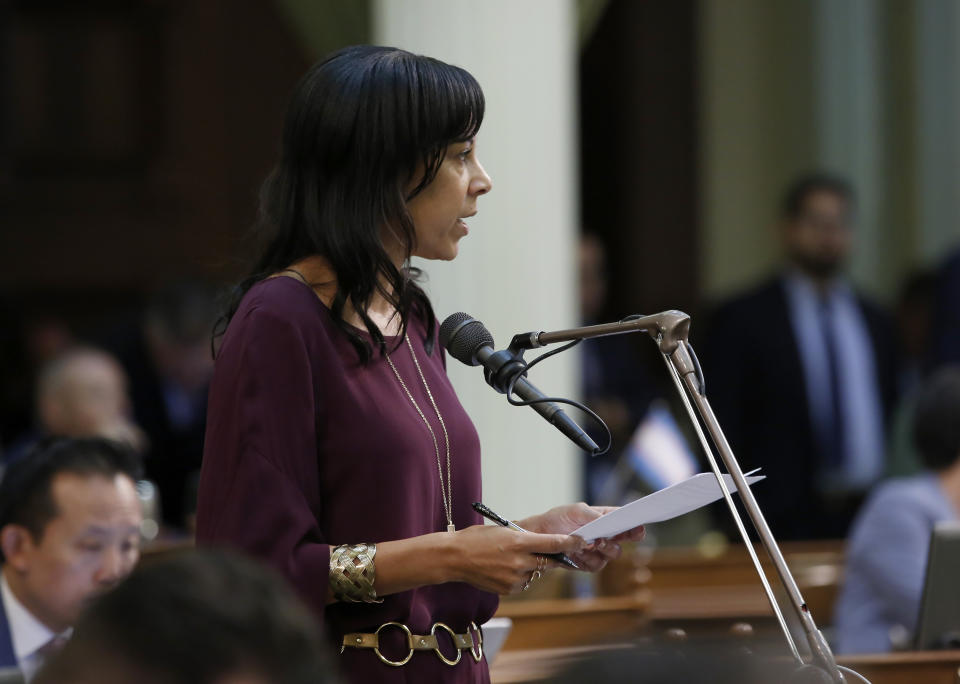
{"points": [[28, 634]]}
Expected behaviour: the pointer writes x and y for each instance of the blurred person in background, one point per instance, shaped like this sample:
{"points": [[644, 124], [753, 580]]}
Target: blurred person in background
{"points": [[614, 382], [887, 551], [915, 326], [195, 618], [802, 371], [15, 409], [69, 530], [80, 393], [28, 342], [945, 343], [166, 354]]}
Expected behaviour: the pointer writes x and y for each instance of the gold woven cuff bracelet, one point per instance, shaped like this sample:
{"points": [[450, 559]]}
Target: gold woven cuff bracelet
{"points": [[352, 573]]}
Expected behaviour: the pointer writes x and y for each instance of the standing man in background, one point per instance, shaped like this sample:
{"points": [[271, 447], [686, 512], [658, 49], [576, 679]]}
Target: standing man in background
{"points": [[614, 381], [802, 371]]}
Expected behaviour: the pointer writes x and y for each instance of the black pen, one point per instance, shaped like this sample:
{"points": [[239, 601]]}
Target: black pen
{"points": [[490, 515]]}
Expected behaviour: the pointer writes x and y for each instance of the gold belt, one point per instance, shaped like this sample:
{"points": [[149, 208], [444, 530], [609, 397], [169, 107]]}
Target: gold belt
{"points": [[420, 642]]}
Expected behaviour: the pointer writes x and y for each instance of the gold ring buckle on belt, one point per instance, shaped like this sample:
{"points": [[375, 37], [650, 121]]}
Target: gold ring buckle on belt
{"points": [[420, 642], [478, 654]]}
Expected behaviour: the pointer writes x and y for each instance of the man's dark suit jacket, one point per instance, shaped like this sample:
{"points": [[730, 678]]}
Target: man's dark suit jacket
{"points": [[755, 383]]}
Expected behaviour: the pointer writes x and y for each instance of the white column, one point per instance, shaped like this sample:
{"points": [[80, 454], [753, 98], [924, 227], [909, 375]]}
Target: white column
{"points": [[516, 269]]}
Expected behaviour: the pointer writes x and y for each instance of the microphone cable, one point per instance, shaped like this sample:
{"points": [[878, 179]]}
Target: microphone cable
{"points": [[557, 400]]}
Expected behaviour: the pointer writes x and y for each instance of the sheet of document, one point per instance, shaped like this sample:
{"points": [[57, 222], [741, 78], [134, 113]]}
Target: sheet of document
{"points": [[670, 502]]}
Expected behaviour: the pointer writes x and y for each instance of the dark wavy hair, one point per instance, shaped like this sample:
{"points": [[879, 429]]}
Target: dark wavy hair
{"points": [[361, 124], [936, 419]]}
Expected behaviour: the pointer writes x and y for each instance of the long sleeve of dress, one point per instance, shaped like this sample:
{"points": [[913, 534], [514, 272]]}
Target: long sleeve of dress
{"points": [[261, 446]]}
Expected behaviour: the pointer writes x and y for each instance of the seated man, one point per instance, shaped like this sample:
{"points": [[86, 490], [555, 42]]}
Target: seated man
{"points": [[205, 617], [69, 529], [887, 551]]}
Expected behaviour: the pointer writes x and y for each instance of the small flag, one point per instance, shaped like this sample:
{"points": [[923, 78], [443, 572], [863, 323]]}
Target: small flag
{"points": [[658, 452]]}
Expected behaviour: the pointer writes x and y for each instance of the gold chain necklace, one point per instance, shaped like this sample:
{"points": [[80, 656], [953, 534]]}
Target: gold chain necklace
{"points": [[446, 492]]}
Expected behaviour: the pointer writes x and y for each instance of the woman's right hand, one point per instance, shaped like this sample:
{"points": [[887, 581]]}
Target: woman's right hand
{"points": [[502, 560]]}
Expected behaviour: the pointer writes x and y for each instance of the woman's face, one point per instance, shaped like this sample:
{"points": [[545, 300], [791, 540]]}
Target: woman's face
{"points": [[438, 211]]}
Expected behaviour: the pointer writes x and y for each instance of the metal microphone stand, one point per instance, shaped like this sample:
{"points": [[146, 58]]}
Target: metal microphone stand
{"points": [[670, 330]]}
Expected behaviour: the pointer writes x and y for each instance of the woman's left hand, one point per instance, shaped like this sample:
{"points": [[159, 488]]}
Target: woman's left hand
{"points": [[566, 519]]}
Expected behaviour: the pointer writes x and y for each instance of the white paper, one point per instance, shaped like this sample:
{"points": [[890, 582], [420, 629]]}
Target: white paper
{"points": [[670, 502]]}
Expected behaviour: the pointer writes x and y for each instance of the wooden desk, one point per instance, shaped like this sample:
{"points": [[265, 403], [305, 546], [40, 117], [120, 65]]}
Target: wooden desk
{"points": [[548, 623], [535, 665], [711, 611], [672, 588], [926, 667], [672, 566], [919, 667], [682, 579], [708, 593]]}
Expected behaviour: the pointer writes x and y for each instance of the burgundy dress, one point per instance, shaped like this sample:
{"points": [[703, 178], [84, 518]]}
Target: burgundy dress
{"points": [[306, 448]]}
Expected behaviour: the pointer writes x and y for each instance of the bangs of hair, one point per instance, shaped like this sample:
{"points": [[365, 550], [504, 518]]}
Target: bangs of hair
{"points": [[450, 108]]}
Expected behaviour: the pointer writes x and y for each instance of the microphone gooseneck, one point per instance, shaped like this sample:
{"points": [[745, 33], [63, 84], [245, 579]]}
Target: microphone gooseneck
{"points": [[468, 341]]}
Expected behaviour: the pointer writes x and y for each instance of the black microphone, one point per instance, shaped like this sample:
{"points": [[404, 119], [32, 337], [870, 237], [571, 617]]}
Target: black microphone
{"points": [[468, 341]]}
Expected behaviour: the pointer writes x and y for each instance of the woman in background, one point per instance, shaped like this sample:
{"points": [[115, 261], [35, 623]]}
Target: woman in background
{"points": [[336, 448], [887, 550]]}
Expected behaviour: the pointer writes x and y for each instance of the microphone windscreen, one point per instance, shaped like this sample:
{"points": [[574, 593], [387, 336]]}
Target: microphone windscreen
{"points": [[462, 335]]}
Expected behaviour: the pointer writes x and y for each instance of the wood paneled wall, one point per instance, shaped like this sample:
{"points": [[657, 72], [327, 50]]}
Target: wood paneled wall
{"points": [[133, 138]]}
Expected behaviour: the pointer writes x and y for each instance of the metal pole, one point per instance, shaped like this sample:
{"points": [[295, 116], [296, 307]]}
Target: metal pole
{"points": [[819, 649], [728, 497], [670, 330]]}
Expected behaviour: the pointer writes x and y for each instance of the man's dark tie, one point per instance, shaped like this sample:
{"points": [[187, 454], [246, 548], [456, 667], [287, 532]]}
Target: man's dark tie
{"points": [[832, 437]]}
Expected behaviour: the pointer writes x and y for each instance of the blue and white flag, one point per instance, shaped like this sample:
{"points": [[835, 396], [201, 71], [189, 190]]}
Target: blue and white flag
{"points": [[658, 452]]}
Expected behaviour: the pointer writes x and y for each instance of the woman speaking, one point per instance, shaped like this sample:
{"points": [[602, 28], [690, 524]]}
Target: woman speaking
{"points": [[336, 448]]}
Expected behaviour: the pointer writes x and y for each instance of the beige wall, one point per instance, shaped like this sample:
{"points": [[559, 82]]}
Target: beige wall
{"points": [[757, 130]]}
